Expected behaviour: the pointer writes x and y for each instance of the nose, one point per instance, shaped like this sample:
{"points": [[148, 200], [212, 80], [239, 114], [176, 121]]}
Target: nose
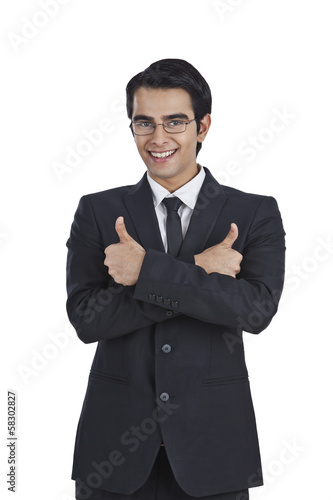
{"points": [[159, 136]]}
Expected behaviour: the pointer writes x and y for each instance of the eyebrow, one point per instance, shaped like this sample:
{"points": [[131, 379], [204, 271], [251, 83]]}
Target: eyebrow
{"points": [[182, 116]]}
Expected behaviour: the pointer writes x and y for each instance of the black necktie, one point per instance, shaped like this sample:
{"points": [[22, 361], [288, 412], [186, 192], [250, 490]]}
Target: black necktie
{"points": [[173, 225]]}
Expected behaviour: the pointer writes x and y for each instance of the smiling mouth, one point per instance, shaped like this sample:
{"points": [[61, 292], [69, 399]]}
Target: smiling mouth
{"points": [[164, 154]]}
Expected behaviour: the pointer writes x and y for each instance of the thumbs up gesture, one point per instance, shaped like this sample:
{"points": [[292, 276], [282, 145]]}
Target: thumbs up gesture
{"points": [[221, 258], [124, 259]]}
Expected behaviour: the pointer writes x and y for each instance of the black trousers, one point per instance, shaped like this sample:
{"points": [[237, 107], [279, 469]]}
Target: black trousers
{"points": [[160, 485]]}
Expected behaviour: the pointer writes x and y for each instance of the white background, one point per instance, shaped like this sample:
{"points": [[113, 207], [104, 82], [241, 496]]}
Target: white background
{"points": [[66, 72]]}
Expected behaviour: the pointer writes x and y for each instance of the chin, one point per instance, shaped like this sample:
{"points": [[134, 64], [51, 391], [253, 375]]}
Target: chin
{"points": [[163, 171]]}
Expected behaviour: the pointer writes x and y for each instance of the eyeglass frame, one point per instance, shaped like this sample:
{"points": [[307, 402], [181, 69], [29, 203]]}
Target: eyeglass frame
{"points": [[163, 123]]}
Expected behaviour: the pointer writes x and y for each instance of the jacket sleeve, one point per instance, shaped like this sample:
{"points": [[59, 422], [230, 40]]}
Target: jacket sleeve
{"points": [[97, 306], [248, 302]]}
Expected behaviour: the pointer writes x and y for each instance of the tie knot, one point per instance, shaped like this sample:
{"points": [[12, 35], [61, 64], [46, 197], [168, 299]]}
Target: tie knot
{"points": [[172, 204]]}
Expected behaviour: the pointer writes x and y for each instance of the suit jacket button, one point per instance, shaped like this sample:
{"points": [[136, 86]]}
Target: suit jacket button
{"points": [[164, 396], [151, 296], [166, 302], [174, 303], [159, 298], [166, 348], [168, 313]]}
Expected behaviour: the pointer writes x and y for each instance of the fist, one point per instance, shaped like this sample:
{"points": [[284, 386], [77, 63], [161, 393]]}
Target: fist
{"points": [[221, 258]]}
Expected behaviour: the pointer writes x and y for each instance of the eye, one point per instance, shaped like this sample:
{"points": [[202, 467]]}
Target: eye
{"points": [[175, 123], [143, 124]]}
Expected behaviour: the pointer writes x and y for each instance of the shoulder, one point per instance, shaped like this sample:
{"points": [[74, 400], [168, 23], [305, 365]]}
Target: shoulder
{"points": [[106, 199], [252, 205], [108, 193], [233, 194], [248, 199]]}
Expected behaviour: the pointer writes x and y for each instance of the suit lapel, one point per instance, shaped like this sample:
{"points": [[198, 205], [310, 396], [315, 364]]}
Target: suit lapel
{"points": [[211, 199], [139, 203], [207, 209]]}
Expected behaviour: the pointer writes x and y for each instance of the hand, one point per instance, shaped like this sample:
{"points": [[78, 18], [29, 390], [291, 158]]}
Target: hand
{"points": [[221, 258], [124, 259]]}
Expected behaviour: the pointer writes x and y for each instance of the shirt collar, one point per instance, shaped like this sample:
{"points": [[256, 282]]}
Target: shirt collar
{"points": [[188, 193]]}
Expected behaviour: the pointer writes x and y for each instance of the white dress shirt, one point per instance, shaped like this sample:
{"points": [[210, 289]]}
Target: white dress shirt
{"points": [[188, 194]]}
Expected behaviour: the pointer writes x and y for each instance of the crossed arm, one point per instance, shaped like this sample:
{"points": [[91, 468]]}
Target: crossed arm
{"points": [[124, 259], [109, 290]]}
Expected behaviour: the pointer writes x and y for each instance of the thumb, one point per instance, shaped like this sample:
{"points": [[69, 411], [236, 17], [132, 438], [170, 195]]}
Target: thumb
{"points": [[231, 237], [121, 229]]}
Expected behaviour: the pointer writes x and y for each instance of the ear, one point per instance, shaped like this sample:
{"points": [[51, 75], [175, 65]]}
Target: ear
{"points": [[204, 127]]}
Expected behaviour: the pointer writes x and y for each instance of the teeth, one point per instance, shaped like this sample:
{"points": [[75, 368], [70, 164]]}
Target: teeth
{"points": [[162, 155]]}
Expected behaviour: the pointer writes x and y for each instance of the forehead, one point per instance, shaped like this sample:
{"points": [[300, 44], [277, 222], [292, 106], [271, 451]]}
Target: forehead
{"points": [[161, 102]]}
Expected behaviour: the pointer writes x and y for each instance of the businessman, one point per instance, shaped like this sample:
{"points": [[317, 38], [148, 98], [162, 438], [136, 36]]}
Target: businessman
{"points": [[165, 275]]}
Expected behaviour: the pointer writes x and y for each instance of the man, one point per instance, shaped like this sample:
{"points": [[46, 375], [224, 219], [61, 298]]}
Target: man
{"points": [[165, 275]]}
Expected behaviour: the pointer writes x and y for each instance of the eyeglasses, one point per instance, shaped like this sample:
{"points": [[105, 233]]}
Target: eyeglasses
{"points": [[170, 126]]}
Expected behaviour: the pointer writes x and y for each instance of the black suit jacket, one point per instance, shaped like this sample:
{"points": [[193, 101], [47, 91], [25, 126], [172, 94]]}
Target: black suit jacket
{"points": [[169, 364]]}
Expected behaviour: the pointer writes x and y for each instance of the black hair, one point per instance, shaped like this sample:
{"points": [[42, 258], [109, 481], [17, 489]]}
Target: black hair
{"points": [[170, 74]]}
